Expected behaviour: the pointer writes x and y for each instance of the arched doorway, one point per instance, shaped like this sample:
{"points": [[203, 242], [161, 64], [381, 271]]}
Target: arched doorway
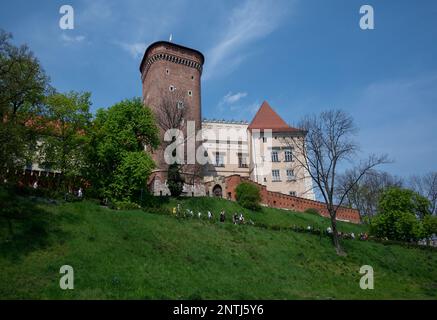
{"points": [[217, 191]]}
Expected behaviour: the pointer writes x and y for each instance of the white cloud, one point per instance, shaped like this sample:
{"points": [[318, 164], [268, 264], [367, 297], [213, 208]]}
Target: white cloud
{"points": [[135, 49], [247, 23], [72, 39], [234, 104], [233, 98]]}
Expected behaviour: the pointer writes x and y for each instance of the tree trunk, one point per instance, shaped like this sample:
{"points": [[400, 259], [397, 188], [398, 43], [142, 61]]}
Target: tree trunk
{"points": [[335, 238]]}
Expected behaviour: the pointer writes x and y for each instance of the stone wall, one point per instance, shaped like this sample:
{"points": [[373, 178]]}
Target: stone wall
{"points": [[283, 201]]}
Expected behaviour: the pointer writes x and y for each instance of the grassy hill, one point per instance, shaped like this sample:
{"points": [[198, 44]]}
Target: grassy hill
{"points": [[143, 255]]}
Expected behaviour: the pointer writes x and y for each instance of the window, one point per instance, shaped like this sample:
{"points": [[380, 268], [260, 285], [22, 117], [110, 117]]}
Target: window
{"points": [[192, 77], [275, 175], [242, 161], [288, 155], [167, 71], [219, 160], [275, 157], [293, 193], [290, 175], [171, 88], [190, 93], [180, 104]]}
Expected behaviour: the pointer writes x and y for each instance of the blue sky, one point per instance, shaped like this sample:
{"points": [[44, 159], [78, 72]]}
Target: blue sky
{"points": [[301, 56]]}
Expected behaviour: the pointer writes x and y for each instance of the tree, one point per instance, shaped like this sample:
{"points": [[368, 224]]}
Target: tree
{"points": [[400, 215], [248, 196], [404, 200], [397, 225], [171, 115], [127, 126], [430, 225], [23, 85], [325, 147], [129, 176], [175, 181], [63, 141], [364, 195], [426, 185]]}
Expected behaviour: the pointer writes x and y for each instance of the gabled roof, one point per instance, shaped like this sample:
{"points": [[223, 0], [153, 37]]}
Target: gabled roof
{"points": [[267, 118]]}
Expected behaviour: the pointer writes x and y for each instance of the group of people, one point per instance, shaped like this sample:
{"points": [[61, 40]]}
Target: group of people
{"points": [[347, 235], [78, 193], [239, 219], [178, 212]]}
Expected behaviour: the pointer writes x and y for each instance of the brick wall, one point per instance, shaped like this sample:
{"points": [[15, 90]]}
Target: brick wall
{"points": [[283, 201]]}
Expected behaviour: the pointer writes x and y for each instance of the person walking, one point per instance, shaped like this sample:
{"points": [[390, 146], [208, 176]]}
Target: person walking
{"points": [[222, 216]]}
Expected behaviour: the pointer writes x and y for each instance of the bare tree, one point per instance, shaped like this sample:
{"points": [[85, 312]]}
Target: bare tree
{"points": [[364, 195], [426, 185], [172, 111], [326, 145], [171, 114]]}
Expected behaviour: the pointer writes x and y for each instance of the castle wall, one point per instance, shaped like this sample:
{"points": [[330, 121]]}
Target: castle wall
{"points": [[278, 200]]}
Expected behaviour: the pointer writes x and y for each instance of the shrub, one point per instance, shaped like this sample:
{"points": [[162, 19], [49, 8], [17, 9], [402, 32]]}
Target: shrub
{"points": [[175, 181], [312, 211], [248, 196], [125, 205]]}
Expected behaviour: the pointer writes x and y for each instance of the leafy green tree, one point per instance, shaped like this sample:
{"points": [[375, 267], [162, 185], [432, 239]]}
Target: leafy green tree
{"points": [[127, 126], [248, 196], [175, 181], [401, 212], [430, 225], [129, 176], [64, 139], [404, 200], [23, 86], [397, 225]]}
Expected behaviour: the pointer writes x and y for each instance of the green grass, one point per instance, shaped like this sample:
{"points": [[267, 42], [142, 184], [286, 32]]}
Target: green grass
{"points": [[267, 216], [137, 255]]}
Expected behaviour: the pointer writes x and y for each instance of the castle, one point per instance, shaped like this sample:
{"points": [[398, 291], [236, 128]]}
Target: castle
{"points": [[235, 151]]}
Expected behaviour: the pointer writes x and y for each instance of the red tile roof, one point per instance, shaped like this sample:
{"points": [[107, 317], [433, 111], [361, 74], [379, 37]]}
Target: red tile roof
{"points": [[267, 118]]}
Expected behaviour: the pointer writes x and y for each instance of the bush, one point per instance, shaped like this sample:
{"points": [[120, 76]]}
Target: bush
{"points": [[175, 181], [248, 196], [124, 205], [312, 211]]}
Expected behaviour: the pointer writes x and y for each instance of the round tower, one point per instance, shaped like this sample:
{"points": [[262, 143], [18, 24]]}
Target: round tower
{"points": [[171, 73]]}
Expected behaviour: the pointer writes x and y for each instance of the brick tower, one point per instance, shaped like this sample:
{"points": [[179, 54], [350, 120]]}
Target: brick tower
{"points": [[171, 72]]}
